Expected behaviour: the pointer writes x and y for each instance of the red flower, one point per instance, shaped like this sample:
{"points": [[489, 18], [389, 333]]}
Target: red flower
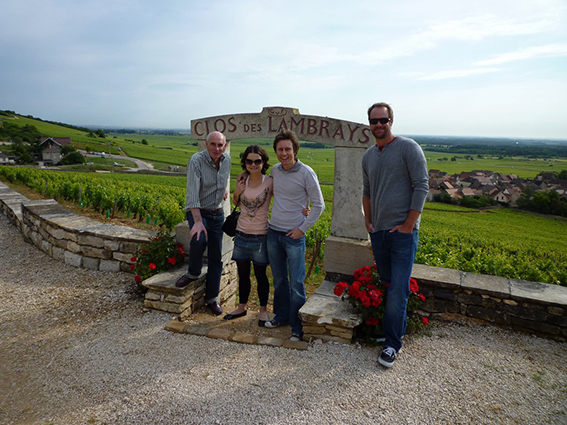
{"points": [[138, 278], [152, 266], [172, 261], [365, 299], [133, 259], [132, 266], [421, 297], [371, 321], [354, 290], [425, 320], [144, 251], [340, 288], [413, 286]]}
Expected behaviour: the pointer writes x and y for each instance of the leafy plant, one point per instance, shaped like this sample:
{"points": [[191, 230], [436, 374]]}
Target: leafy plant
{"points": [[367, 294], [160, 254]]}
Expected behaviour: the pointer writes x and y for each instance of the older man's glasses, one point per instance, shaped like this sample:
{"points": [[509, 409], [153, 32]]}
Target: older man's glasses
{"points": [[253, 161], [382, 121]]}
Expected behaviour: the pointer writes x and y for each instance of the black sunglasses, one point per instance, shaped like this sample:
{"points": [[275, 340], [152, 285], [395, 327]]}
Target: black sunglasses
{"points": [[382, 121], [253, 161]]}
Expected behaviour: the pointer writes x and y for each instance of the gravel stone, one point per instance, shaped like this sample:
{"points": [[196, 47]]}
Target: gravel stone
{"points": [[77, 347]]}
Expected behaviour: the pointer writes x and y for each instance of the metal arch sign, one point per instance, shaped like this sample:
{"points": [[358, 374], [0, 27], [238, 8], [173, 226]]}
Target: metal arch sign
{"points": [[275, 119]]}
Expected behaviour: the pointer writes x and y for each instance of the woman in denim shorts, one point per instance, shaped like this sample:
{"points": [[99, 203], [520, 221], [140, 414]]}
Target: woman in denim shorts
{"points": [[254, 194]]}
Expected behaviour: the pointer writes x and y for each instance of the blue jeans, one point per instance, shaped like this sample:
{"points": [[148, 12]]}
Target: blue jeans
{"points": [[287, 259], [394, 254], [213, 223]]}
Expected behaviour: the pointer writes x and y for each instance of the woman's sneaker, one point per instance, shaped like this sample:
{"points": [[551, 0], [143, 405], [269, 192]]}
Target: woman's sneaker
{"points": [[387, 357], [272, 324]]}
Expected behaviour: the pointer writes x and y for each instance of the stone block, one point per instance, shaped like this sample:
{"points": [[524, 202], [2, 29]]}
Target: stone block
{"points": [[109, 266], [165, 282], [436, 276], [445, 306], [91, 263], [129, 247], [345, 255], [165, 306], [111, 245], [488, 314], [46, 247], [73, 259], [58, 253], [326, 338], [445, 294], [120, 256], [558, 321], [90, 240], [73, 247], [244, 338], [323, 309], [531, 325], [270, 341], [308, 328], [90, 251], [486, 284], [175, 326], [154, 296], [196, 329], [348, 218], [345, 334], [296, 345], [219, 333], [542, 292]]}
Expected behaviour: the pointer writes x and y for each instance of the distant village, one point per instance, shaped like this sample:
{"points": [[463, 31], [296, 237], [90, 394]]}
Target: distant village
{"points": [[504, 189]]}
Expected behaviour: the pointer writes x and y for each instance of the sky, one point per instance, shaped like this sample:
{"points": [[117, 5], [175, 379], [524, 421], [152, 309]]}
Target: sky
{"points": [[485, 68]]}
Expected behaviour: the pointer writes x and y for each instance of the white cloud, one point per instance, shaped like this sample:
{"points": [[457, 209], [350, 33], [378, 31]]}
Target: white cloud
{"points": [[547, 51], [457, 73]]}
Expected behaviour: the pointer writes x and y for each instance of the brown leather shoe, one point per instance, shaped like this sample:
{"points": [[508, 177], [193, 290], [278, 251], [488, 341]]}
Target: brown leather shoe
{"points": [[183, 281], [215, 308]]}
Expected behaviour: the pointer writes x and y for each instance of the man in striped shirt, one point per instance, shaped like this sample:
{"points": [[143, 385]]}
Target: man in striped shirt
{"points": [[207, 177]]}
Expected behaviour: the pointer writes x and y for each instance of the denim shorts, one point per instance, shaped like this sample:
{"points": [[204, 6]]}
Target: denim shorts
{"points": [[250, 248]]}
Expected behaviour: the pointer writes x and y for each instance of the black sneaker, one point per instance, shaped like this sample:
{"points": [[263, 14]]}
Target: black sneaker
{"points": [[272, 324], [387, 357], [296, 337]]}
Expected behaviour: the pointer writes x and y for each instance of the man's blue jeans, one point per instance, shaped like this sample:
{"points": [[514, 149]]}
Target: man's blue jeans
{"points": [[213, 223], [287, 260], [394, 254]]}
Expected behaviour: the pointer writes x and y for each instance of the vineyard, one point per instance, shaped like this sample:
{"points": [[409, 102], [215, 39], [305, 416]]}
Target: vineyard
{"points": [[502, 242], [159, 201]]}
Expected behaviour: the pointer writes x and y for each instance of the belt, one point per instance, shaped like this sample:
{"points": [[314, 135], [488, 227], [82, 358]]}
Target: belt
{"points": [[246, 235], [212, 212]]}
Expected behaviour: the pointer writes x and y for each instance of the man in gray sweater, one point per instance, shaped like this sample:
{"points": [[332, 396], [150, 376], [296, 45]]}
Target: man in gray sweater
{"points": [[295, 186], [395, 185]]}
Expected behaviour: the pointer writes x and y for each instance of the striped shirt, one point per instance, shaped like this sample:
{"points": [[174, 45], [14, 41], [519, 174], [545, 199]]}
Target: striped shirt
{"points": [[205, 184]]}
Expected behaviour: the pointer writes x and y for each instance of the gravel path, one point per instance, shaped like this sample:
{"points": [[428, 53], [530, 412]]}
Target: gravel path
{"points": [[77, 347]]}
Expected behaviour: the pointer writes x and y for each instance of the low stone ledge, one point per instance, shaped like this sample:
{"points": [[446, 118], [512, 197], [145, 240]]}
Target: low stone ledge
{"points": [[439, 277], [163, 295], [486, 284], [523, 290], [80, 241]]}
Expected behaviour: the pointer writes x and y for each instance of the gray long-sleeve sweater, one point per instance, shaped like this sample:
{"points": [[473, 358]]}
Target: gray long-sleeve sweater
{"points": [[293, 191], [396, 180]]}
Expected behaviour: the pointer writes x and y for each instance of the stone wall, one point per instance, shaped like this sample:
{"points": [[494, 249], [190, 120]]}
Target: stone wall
{"points": [[531, 307], [68, 237]]}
